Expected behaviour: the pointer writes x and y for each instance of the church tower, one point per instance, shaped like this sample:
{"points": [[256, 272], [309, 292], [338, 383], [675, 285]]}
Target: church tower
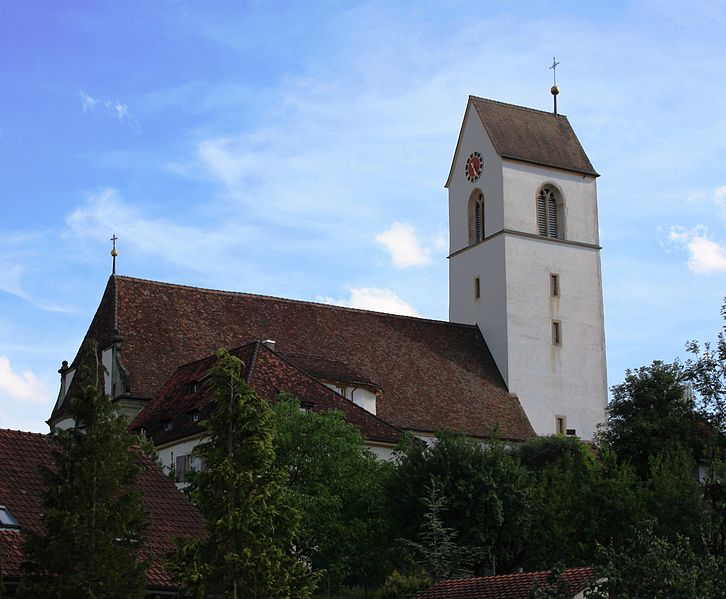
{"points": [[524, 261]]}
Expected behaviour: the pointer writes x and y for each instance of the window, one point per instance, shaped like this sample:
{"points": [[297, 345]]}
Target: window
{"points": [[556, 332], [186, 464], [554, 285], [549, 213], [476, 217], [6, 519], [560, 425], [477, 288]]}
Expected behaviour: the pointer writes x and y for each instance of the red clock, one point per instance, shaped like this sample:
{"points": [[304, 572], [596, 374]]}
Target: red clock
{"points": [[474, 166]]}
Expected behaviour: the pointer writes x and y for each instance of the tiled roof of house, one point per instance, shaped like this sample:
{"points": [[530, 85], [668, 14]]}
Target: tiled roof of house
{"points": [[21, 456], [508, 586], [532, 136], [433, 374], [182, 403]]}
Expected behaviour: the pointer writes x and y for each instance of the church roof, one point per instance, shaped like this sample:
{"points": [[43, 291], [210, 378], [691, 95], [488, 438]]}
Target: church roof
{"points": [[508, 586], [534, 136], [21, 487], [183, 402], [433, 374]]}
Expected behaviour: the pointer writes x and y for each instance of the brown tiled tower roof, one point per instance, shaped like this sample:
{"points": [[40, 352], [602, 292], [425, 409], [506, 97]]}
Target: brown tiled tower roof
{"points": [[533, 136], [22, 454], [433, 374], [184, 401], [509, 586]]}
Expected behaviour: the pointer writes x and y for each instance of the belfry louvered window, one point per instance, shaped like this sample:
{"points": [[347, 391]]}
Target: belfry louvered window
{"points": [[476, 217], [548, 213]]}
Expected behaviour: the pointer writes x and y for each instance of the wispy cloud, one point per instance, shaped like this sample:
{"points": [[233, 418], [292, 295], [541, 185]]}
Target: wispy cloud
{"points": [[115, 108], [705, 255], [376, 299], [23, 386], [403, 245]]}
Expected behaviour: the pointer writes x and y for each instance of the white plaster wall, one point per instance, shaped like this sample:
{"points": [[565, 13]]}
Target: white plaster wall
{"points": [[522, 183], [568, 380], [485, 260], [65, 424], [169, 453], [107, 361], [382, 452], [364, 398], [474, 139]]}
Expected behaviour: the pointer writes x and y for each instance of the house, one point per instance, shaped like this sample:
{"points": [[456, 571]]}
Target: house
{"points": [[510, 586], [523, 352], [171, 516]]}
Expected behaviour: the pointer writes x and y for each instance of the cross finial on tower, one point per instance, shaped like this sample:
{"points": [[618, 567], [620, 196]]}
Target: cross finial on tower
{"points": [[554, 90], [114, 252]]}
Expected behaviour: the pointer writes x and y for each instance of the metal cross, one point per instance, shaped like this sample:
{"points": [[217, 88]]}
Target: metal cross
{"points": [[114, 252], [554, 70]]}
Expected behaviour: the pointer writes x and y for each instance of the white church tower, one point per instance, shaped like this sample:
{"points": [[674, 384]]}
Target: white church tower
{"points": [[524, 260]]}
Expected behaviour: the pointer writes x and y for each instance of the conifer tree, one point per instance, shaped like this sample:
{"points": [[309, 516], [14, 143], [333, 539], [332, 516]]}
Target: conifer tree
{"points": [[249, 548], [94, 523]]}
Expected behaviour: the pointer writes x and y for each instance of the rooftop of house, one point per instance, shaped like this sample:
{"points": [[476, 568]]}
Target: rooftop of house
{"points": [[21, 485], [508, 586], [433, 374], [183, 402]]}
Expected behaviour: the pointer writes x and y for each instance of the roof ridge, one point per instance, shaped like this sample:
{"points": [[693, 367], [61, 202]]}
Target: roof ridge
{"points": [[537, 573], [33, 433], [292, 301], [537, 110]]}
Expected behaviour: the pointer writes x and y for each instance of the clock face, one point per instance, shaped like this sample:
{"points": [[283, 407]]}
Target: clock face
{"points": [[474, 166]]}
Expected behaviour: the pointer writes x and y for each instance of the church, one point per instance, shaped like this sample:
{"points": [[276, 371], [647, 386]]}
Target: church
{"points": [[522, 354]]}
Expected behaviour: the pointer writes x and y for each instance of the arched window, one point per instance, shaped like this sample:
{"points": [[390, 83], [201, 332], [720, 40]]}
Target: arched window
{"points": [[549, 213], [476, 217]]}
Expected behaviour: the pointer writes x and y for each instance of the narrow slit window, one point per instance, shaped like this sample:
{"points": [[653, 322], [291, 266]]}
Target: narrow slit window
{"points": [[554, 285], [556, 332], [477, 288], [560, 425]]}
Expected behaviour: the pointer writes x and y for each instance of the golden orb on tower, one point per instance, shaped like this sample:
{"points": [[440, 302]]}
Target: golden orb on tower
{"points": [[554, 90]]}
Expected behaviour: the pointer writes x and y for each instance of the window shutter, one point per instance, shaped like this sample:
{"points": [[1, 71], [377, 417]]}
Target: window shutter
{"points": [[477, 212], [551, 216], [541, 214]]}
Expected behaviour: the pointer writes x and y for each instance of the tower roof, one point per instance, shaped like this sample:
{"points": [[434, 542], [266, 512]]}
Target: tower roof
{"points": [[533, 136]]}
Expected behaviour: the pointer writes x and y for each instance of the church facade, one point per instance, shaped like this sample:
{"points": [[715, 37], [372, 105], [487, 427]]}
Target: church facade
{"points": [[522, 354]]}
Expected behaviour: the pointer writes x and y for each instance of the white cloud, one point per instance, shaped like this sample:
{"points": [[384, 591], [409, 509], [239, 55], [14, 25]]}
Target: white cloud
{"points": [[88, 102], [403, 245], [113, 107], [705, 255], [376, 299], [23, 386]]}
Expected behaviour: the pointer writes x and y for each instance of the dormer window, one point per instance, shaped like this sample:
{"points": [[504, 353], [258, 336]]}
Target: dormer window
{"points": [[7, 520], [167, 425]]}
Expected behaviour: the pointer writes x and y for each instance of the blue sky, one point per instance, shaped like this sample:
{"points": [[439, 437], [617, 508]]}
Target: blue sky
{"points": [[300, 149]]}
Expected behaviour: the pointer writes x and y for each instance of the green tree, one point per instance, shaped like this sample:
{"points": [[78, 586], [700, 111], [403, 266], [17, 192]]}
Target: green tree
{"points": [[652, 566], [94, 524], [649, 412], [251, 528], [337, 485], [485, 490]]}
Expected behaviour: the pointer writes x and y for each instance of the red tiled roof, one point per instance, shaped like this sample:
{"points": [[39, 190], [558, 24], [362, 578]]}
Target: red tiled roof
{"points": [[21, 456], [532, 136], [433, 374], [269, 374], [508, 586]]}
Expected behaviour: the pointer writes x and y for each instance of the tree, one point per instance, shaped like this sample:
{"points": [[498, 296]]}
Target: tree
{"points": [[649, 412], [651, 566], [94, 524], [436, 551], [485, 490], [336, 484], [707, 373], [251, 529]]}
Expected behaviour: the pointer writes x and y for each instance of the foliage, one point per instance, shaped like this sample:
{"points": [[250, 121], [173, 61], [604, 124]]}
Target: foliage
{"points": [[484, 488], [251, 529], [436, 551], [336, 484], [707, 373], [649, 412], [400, 586], [145, 444], [652, 566], [93, 519], [554, 588]]}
